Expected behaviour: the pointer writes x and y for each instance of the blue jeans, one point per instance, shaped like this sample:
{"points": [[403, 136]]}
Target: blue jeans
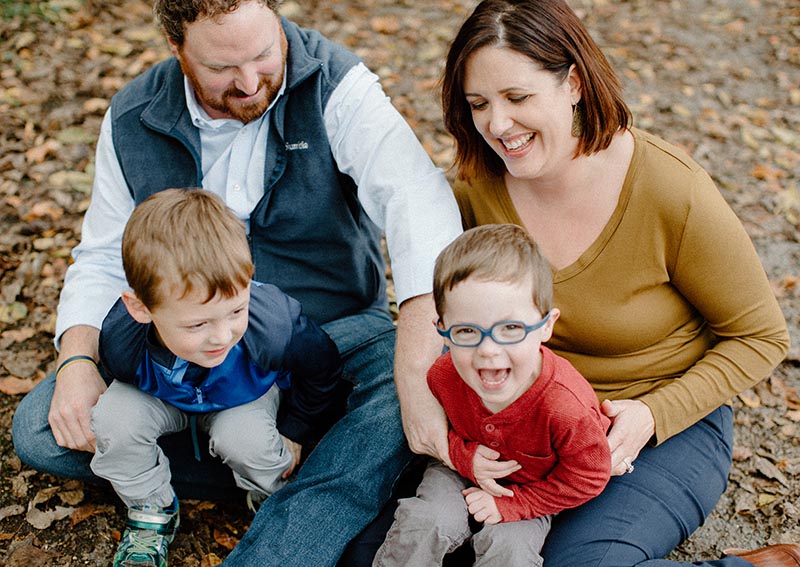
{"points": [[640, 517], [338, 491]]}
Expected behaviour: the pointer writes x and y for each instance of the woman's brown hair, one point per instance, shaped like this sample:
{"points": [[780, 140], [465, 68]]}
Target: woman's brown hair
{"points": [[551, 34]]}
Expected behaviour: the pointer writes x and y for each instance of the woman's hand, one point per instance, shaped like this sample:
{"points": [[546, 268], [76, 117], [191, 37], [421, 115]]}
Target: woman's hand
{"points": [[487, 468], [482, 506], [632, 426]]}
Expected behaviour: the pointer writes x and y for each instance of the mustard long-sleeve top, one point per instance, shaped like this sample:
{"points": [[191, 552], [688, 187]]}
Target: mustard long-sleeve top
{"points": [[670, 305]]}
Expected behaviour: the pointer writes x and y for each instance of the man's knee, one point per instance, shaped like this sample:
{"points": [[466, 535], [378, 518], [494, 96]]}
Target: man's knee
{"points": [[30, 430]]}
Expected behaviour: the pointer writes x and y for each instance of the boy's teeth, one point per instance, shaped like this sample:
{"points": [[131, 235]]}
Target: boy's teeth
{"points": [[492, 376]]}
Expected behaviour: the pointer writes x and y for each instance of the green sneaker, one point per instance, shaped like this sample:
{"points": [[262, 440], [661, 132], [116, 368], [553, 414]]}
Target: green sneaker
{"points": [[148, 532]]}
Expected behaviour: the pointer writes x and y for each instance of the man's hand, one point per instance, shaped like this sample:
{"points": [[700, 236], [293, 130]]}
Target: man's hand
{"points": [[487, 468], [295, 449], [425, 426], [482, 506], [632, 426], [416, 348], [77, 389], [76, 392]]}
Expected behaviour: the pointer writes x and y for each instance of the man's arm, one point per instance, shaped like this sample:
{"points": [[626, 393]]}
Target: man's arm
{"points": [[77, 389], [417, 347], [92, 285]]}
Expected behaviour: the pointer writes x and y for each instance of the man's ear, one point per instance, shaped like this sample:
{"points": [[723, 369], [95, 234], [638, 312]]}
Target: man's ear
{"points": [[547, 330], [136, 309], [173, 47]]}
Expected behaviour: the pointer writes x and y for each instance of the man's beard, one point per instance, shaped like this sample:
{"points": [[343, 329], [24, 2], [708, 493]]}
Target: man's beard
{"points": [[228, 103]]}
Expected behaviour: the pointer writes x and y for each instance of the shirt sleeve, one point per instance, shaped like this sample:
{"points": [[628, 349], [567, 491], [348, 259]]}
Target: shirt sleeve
{"points": [[316, 368], [719, 272], [462, 454], [96, 278], [399, 187]]}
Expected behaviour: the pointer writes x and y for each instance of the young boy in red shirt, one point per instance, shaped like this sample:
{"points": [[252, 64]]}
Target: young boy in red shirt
{"points": [[527, 437]]}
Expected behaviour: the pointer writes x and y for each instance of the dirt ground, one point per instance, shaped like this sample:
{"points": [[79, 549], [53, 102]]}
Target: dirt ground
{"points": [[719, 77]]}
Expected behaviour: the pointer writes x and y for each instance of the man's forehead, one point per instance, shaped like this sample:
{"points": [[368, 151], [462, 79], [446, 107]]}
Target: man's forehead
{"points": [[252, 28]]}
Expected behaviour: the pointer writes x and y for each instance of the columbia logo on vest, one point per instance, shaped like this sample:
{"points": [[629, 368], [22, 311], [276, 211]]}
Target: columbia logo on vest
{"points": [[296, 146]]}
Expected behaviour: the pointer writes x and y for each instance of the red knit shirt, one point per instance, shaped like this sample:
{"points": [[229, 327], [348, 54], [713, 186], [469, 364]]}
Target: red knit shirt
{"points": [[555, 430]]}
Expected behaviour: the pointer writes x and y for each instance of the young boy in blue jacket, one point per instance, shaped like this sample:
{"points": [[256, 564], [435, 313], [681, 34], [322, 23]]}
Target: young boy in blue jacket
{"points": [[197, 344]]}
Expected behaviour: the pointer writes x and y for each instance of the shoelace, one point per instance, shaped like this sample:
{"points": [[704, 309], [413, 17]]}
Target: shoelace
{"points": [[148, 545]]}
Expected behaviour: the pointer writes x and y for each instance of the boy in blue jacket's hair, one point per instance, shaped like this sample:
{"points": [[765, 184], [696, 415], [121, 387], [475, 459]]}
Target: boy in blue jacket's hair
{"points": [[197, 344]]}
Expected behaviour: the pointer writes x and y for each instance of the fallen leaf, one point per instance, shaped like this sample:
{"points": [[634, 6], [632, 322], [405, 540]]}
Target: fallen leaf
{"points": [[13, 386], [769, 470], [750, 399], [13, 312], [768, 173], [765, 499], [43, 209], [87, 511], [16, 335], [741, 453], [12, 510], [25, 554], [42, 519], [210, 560], [225, 539], [44, 495], [385, 24], [39, 153], [71, 497]]}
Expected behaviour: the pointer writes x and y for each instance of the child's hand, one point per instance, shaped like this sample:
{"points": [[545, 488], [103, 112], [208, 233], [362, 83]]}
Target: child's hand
{"points": [[295, 449], [487, 468], [482, 506]]}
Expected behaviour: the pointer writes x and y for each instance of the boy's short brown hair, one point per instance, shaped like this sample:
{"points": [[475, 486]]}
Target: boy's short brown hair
{"points": [[494, 252], [182, 240]]}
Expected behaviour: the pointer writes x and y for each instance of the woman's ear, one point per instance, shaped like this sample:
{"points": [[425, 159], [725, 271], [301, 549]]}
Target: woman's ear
{"points": [[574, 83], [136, 309]]}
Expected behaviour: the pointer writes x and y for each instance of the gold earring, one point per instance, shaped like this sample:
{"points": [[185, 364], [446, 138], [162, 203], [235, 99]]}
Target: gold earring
{"points": [[577, 120]]}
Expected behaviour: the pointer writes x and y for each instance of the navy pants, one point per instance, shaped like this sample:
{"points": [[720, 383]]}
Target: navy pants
{"points": [[640, 517]]}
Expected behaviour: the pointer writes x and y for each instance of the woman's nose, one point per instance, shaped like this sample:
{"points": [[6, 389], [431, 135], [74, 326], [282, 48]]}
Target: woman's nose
{"points": [[499, 121]]}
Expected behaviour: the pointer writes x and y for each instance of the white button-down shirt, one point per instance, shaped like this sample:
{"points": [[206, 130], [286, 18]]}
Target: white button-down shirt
{"points": [[398, 186]]}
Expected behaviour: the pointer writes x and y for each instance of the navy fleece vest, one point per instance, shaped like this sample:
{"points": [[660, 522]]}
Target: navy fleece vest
{"points": [[309, 234]]}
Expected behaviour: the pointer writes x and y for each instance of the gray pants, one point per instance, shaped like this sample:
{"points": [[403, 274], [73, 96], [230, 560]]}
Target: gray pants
{"points": [[435, 522], [127, 423]]}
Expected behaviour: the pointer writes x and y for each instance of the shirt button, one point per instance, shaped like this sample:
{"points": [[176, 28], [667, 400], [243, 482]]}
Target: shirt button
{"points": [[489, 427], [236, 187], [494, 444]]}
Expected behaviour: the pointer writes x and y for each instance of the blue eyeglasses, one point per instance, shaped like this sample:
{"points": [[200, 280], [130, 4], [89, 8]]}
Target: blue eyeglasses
{"points": [[502, 332]]}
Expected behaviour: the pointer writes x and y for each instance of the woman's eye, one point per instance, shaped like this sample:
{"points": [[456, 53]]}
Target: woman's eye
{"points": [[518, 99], [477, 105]]}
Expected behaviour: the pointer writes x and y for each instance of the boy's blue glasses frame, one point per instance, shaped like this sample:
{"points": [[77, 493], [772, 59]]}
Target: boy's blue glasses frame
{"points": [[490, 331]]}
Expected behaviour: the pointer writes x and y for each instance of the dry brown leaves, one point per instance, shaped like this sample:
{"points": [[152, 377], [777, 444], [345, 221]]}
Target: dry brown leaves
{"points": [[723, 83]]}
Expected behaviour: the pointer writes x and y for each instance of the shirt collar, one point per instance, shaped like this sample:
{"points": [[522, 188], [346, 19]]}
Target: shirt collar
{"points": [[200, 117]]}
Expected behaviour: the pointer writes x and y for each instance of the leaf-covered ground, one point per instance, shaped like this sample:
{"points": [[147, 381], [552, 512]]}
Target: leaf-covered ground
{"points": [[719, 77]]}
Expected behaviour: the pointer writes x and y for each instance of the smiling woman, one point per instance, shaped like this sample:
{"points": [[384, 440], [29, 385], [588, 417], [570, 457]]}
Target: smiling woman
{"points": [[635, 232]]}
